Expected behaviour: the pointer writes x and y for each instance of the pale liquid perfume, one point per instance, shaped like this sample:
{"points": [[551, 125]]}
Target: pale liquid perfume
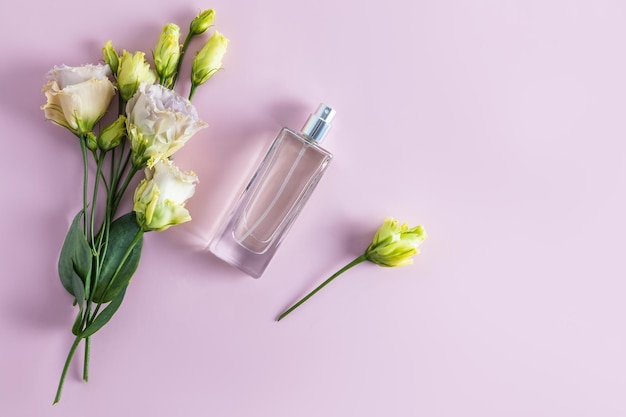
{"points": [[275, 195]]}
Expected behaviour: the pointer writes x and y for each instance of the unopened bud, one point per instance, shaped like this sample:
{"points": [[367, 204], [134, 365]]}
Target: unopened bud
{"points": [[112, 135], [167, 51], [111, 57], [202, 22], [209, 59]]}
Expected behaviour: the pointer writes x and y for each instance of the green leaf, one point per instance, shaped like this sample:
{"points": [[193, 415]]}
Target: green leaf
{"points": [[78, 322], [79, 290], [125, 241], [75, 257], [106, 314]]}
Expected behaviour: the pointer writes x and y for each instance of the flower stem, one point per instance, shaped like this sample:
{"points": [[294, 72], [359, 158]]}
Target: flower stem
{"points": [[57, 398], [192, 91], [117, 198], [136, 239], [92, 232], [180, 59], [322, 285], [83, 148], [86, 361]]}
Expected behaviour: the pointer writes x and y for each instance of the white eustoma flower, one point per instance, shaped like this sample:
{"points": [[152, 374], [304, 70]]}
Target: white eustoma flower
{"points": [[160, 198], [160, 122], [77, 97]]}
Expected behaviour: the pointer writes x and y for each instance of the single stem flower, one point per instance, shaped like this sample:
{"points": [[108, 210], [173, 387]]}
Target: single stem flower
{"points": [[393, 245]]}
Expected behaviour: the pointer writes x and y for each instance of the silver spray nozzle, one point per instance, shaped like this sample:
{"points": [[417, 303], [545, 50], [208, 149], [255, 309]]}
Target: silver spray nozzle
{"points": [[319, 122]]}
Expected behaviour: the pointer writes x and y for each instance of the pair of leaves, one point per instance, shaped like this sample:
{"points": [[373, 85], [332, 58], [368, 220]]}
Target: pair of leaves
{"points": [[76, 266]]}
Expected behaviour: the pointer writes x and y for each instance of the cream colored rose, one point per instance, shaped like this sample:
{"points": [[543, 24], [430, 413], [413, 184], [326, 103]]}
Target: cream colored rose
{"points": [[160, 198], [77, 97], [159, 123]]}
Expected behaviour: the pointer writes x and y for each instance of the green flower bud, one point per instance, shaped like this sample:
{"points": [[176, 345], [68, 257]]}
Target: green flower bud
{"points": [[202, 22], [111, 57], [167, 52], [112, 135], [209, 59], [91, 141], [133, 70], [395, 245]]}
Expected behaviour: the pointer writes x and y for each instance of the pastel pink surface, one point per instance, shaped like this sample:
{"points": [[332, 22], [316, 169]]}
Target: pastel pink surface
{"points": [[496, 125]]}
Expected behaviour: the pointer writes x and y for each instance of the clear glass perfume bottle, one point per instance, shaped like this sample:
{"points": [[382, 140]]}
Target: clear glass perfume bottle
{"points": [[275, 195]]}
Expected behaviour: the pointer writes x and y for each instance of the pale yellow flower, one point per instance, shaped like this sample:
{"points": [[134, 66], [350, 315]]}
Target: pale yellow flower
{"points": [[159, 123], [133, 70], [394, 244], [167, 52], [202, 22], [160, 198], [77, 97], [209, 59]]}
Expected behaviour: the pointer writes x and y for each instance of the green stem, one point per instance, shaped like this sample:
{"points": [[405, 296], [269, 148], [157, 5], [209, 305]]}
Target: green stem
{"points": [[355, 262], [117, 199], [102, 176], [57, 398], [118, 166], [136, 239], [192, 91], [86, 361], [122, 167], [92, 280], [180, 59], [93, 204], [121, 105], [83, 148]]}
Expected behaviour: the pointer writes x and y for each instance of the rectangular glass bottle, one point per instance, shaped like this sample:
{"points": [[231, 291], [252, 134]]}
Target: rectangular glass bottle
{"points": [[275, 196]]}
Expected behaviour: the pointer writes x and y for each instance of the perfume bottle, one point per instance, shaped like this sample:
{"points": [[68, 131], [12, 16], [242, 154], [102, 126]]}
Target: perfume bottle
{"points": [[275, 195]]}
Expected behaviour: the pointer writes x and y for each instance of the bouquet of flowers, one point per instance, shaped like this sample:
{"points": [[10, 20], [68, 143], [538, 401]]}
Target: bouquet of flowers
{"points": [[102, 249]]}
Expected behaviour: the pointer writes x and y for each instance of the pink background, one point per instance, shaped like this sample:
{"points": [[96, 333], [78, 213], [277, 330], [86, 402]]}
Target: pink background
{"points": [[498, 125]]}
